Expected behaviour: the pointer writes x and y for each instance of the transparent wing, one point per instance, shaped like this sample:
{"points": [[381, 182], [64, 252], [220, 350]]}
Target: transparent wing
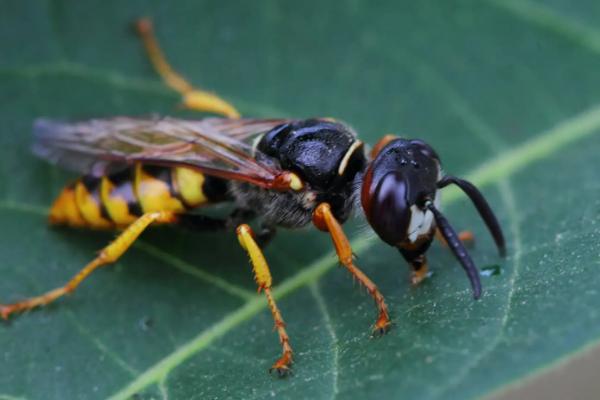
{"points": [[219, 147]]}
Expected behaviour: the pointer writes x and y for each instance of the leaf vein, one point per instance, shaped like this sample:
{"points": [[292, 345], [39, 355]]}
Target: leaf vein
{"points": [[164, 390], [184, 267], [433, 80], [9, 397], [100, 346], [315, 290], [538, 14], [122, 82]]}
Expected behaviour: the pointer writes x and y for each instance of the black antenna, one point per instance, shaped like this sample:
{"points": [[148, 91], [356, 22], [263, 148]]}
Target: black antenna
{"points": [[457, 248], [484, 209]]}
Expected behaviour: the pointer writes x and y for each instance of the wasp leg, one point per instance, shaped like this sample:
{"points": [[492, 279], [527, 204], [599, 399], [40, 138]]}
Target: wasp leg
{"points": [[108, 255], [420, 269], [466, 237], [414, 254], [324, 220], [262, 275], [193, 98]]}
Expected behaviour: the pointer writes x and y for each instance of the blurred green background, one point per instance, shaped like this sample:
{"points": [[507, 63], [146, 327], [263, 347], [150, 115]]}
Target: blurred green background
{"points": [[507, 92]]}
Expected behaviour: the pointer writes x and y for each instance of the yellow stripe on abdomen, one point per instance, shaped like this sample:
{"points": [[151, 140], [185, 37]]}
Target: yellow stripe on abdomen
{"points": [[64, 211], [154, 193], [190, 186], [116, 200], [90, 206]]}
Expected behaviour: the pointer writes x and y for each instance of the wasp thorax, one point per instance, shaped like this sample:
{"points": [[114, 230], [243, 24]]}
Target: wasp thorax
{"points": [[315, 149]]}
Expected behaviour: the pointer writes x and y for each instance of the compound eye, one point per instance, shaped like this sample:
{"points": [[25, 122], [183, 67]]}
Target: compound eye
{"points": [[390, 211], [424, 148]]}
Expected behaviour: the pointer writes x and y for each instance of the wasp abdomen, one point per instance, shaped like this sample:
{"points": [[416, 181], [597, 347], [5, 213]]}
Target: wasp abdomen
{"points": [[118, 199]]}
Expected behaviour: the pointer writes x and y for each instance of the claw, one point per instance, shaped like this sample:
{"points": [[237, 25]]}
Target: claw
{"points": [[382, 326], [283, 366], [5, 311], [419, 276]]}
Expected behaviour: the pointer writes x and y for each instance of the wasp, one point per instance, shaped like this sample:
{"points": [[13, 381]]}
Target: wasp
{"points": [[288, 173]]}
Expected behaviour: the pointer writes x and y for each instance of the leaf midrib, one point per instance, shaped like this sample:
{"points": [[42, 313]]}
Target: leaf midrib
{"points": [[490, 179]]}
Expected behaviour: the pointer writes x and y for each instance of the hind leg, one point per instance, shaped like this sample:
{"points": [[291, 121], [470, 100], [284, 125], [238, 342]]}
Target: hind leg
{"points": [[466, 237], [108, 255], [192, 98]]}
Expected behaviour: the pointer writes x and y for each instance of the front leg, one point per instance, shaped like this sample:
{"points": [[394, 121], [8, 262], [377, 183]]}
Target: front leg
{"points": [[420, 269], [414, 254], [324, 220]]}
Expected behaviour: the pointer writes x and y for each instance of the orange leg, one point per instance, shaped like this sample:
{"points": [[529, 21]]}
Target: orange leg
{"points": [[420, 270], [193, 98], [262, 275], [325, 221], [466, 237], [109, 254]]}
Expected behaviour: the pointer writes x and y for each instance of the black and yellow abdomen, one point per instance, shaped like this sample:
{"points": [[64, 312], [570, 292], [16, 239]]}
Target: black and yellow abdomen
{"points": [[116, 200]]}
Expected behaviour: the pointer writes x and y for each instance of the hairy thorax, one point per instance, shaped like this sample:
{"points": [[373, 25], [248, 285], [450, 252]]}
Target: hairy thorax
{"points": [[285, 209]]}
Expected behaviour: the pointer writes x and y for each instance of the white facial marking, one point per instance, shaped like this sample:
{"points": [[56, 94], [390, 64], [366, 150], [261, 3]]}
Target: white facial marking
{"points": [[421, 221]]}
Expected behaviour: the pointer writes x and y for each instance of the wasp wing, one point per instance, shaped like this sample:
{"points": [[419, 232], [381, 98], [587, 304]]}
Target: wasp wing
{"points": [[219, 147]]}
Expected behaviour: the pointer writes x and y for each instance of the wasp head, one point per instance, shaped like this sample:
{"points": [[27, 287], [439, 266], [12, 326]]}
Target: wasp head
{"points": [[396, 187], [399, 196]]}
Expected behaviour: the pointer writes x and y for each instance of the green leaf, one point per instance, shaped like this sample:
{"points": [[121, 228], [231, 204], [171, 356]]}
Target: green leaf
{"points": [[508, 92]]}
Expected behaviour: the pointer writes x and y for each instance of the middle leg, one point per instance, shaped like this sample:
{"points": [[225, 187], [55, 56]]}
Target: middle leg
{"points": [[262, 275], [414, 254]]}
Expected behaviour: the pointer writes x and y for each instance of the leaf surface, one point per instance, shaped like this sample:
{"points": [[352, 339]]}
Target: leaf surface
{"points": [[507, 92]]}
